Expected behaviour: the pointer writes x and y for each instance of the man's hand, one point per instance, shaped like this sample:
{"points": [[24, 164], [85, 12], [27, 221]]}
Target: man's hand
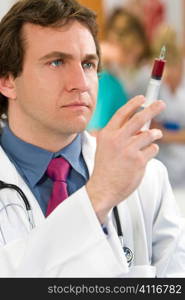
{"points": [[122, 154]]}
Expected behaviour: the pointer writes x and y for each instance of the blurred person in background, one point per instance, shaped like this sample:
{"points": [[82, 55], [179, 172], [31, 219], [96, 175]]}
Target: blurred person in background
{"points": [[111, 92], [111, 96], [172, 120], [126, 51], [125, 57], [151, 13]]}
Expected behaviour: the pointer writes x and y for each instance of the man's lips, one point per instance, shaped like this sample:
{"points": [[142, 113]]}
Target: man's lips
{"points": [[76, 104]]}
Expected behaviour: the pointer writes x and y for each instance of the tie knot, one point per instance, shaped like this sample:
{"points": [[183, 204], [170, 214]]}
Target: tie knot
{"points": [[58, 169]]}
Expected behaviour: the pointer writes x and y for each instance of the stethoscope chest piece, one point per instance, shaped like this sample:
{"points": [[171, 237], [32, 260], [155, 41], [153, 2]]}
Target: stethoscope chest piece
{"points": [[129, 255]]}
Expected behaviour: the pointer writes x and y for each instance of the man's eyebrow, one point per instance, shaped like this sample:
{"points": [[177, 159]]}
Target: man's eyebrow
{"points": [[56, 54], [63, 55], [91, 57]]}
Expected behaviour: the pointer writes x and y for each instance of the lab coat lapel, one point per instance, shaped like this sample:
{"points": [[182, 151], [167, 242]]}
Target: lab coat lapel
{"points": [[89, 150], [12, 176], [138, 230]]}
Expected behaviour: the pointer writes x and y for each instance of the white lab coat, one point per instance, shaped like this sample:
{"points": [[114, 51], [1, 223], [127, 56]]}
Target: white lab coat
{"points": [[71, 242], [172, 154]]}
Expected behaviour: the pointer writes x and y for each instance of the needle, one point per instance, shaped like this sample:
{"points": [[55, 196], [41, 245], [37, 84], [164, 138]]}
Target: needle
{"points": [[162, 53]]}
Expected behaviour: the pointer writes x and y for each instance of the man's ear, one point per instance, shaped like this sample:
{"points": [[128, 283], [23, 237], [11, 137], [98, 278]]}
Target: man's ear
{"points": [[7, 87]]}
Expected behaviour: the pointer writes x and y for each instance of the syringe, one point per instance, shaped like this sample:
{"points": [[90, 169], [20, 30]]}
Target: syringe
{"points": [[155, 82]]}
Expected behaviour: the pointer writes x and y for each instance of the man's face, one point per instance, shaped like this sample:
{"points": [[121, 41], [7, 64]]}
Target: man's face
{"points": [[56, 92]]}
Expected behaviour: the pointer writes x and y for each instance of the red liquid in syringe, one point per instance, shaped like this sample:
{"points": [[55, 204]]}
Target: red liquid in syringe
{"points": [[152, 92], [158, 68]]}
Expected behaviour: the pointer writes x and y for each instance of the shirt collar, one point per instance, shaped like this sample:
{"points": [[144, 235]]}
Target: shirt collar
{"points": [[33, 160]]}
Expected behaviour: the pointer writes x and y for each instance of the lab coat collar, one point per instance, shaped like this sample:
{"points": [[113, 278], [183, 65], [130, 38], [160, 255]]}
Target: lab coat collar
{"points": [[89, 150], [8, 172]]}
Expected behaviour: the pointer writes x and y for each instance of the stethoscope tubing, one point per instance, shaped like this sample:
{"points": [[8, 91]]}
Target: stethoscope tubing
{"points": [[4, 185], [127, 251]]}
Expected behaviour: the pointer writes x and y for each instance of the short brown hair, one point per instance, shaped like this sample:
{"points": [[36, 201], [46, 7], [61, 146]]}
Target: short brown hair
{"points": [[47, 13]]}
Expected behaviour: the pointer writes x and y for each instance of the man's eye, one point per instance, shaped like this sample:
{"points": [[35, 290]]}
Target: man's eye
{"points": [[88, 65], [56, 63]]}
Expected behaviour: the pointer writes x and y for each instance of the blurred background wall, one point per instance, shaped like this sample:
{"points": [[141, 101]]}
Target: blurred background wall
{"points": [[4, 6]]}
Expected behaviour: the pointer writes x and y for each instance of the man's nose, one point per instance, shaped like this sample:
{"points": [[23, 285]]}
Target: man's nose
{"points": [[77, 80]]}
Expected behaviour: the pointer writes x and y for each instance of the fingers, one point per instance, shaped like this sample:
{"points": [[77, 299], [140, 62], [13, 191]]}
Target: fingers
{"points": [[145, 138], [141, 118], [150, 151], [125, 112]]}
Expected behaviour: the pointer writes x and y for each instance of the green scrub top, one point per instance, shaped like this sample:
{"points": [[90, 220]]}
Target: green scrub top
{"points": [[111, 96]]}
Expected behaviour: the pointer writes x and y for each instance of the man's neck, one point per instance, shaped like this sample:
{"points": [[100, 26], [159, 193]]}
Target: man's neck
{"points": [[45, 140]]}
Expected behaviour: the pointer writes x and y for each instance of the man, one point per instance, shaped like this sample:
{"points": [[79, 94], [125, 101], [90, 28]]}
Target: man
{"points": [[49, 59]]}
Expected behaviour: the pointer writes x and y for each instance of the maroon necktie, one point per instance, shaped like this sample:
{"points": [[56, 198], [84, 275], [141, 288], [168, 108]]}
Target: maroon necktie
{"points": [[58, 170]]}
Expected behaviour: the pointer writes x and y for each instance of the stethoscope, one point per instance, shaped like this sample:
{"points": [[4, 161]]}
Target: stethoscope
{"points": [[127, 251], [4, 185]]}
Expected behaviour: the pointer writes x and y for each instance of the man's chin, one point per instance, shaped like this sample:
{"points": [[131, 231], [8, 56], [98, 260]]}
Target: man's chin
{"points": [[77, 128]]}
